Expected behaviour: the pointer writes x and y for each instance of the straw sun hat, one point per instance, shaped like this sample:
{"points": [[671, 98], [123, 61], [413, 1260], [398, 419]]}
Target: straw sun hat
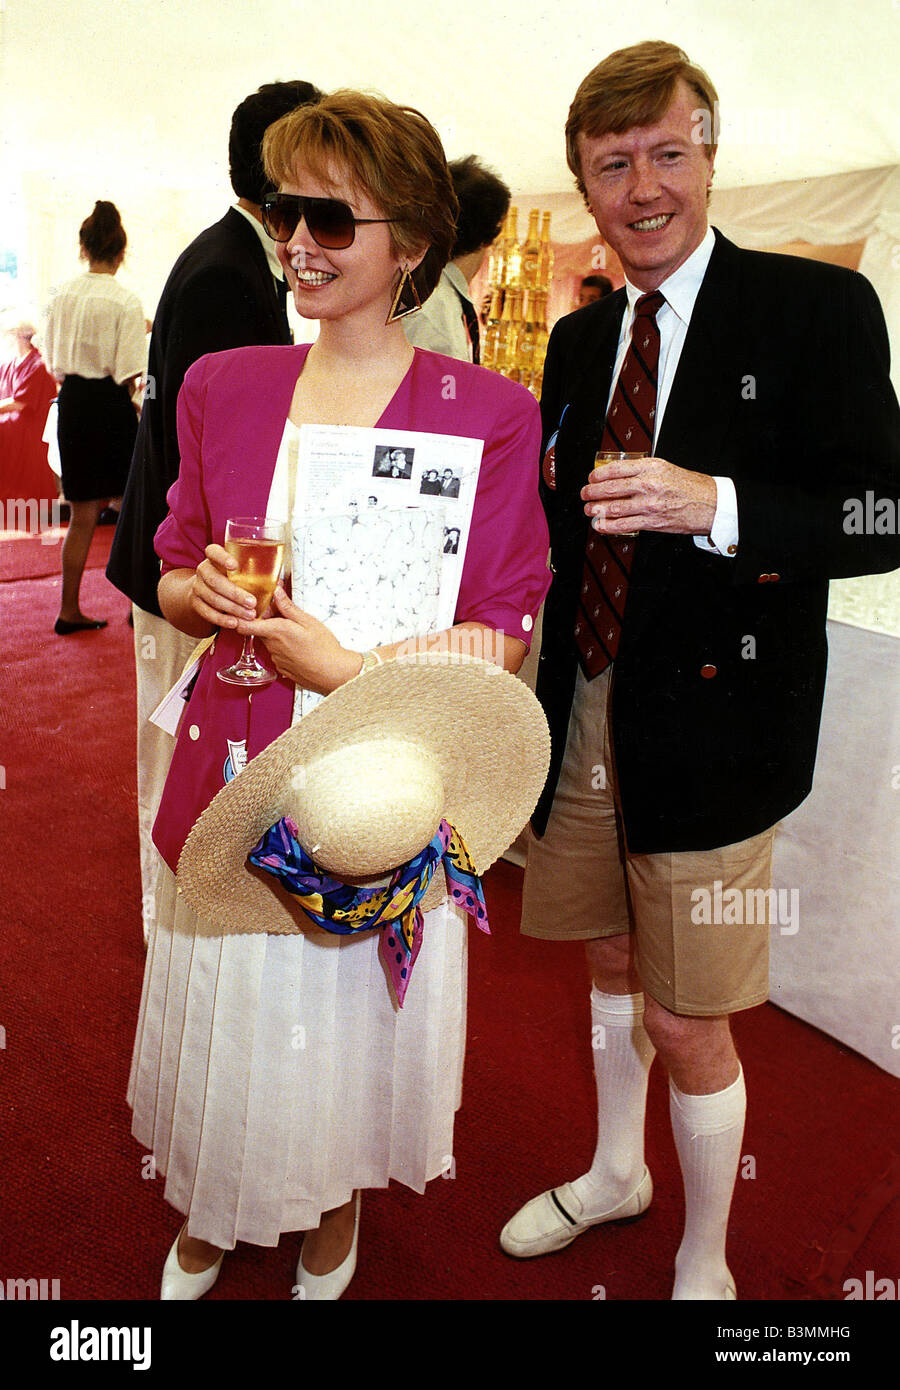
{"points": [[367, 776]]}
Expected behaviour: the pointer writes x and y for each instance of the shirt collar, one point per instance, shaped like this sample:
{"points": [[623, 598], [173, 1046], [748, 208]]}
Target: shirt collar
{"points": [[457, 280], [683, 285], [268, 244]]}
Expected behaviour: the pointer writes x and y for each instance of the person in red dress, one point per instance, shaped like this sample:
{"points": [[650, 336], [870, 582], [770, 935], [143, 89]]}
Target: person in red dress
{"points": [[26, 392]]}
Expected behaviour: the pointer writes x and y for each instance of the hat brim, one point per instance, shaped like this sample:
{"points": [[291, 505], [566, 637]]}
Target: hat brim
{"points": [[483, 725]]}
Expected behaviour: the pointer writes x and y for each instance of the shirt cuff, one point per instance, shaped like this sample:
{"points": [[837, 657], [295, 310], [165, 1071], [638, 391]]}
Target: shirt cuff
{"points": [[723, 534]]}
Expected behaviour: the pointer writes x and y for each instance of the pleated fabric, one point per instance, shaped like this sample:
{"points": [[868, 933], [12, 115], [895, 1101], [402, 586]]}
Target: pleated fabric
{"points": [[274, 1074]]}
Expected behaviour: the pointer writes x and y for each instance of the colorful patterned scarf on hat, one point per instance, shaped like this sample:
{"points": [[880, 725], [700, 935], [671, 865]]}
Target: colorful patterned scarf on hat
{"points": [[341, 908]]}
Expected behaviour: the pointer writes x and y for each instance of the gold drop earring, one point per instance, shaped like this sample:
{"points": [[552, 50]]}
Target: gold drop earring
{"points": [[406, 299]]}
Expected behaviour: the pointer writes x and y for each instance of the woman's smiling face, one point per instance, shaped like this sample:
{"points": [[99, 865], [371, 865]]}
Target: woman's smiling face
{"points": [[330, 284]]}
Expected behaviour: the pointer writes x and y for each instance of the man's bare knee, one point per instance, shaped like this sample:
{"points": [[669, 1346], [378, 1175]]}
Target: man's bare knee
{"points": [[611, 960], [698, 1052]]}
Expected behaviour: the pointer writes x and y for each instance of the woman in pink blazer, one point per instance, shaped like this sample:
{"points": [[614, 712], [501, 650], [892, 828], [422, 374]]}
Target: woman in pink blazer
{"points": [[255, 1134]]}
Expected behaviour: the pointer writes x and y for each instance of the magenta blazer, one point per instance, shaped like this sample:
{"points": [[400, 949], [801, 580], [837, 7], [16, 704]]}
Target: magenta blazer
{"points": [[231, 415]]}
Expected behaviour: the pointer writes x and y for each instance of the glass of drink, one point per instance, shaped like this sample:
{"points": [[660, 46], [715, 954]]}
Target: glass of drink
{"points": [[604, 456], [257, 543]]}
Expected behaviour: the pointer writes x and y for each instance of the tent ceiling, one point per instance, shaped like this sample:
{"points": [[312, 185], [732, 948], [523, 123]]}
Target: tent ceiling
{"points": [[122, 92]]}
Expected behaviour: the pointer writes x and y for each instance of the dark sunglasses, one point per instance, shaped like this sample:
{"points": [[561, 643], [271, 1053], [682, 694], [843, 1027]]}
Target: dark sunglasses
{"points": [[331, 224]]}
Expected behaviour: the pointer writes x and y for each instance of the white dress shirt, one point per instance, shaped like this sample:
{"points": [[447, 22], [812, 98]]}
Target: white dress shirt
{"points": [[95, 328], [268, 244], [680, 291], [440, 324]]}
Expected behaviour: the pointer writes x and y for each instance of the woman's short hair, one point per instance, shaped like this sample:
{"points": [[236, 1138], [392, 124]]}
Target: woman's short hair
{"points": [[634, 87], [390, 153], [102, 235]]}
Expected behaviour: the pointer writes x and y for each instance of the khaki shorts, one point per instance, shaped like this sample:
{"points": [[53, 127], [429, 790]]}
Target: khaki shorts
{"points": [[581, 884]]}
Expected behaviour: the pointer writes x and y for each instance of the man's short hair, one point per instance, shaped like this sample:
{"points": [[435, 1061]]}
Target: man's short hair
{"points": [[598, 282], [483, 205], [249, 124], [635, 87]]}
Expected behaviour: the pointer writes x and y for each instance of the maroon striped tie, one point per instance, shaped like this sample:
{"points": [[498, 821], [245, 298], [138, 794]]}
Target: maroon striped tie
{"points": [[608, 559]]}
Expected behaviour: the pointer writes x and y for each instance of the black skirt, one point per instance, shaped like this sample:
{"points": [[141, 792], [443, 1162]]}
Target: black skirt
{"points": [[96, 431]]}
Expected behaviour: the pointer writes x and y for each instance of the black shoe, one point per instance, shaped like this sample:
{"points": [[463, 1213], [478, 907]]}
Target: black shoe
{"points": [[63, 629]]}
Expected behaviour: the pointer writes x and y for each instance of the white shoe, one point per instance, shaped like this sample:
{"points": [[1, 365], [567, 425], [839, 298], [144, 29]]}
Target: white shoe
{"points": [[322, 1287], [178, 1284], [553, 1220], [728, 1294]]}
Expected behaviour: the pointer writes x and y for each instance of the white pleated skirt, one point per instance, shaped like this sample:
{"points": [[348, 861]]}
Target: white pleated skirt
{"points": [[274, 1074]]}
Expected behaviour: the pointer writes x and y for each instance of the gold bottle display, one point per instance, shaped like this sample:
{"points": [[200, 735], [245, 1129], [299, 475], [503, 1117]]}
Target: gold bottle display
{"points": [[531, 253], [492, 330], [545, 256], [505, 356], [515, 335], [512, 260], [514, 338]]}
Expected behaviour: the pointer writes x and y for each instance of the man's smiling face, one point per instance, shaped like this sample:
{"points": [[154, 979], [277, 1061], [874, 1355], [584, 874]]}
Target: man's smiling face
{"points": [[646, 189]]}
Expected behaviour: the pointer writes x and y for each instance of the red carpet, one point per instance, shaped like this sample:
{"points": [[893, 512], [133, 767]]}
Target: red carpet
{"points": [[36, 557], [821, 1208]]}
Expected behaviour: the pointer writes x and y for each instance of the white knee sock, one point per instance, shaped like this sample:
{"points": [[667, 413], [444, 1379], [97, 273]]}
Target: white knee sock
{"points": [[623, 1054], [708, 1131]]}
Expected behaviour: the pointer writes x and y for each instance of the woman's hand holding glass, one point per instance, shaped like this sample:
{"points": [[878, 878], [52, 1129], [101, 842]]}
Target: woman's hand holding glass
{"points": [[301, 648], [213, 596]]}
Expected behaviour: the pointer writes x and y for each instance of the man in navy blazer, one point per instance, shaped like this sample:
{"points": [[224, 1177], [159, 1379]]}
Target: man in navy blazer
{"points": [[773, 414], [226, 290]]}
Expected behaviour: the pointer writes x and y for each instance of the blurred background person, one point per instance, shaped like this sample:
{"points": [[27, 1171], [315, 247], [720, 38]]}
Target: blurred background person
{"points": [[448, 320], [592, 288], [27, 390], [95, 345], [226, 290]]}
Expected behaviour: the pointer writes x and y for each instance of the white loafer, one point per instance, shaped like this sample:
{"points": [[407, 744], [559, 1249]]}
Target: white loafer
{"points": [[728, 1294], [322, 1287], [178, 1284], [553, 1220]]}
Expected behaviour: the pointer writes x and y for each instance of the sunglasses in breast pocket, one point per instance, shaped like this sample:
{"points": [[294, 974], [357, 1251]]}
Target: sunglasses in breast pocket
{"points": [[330, 223]]}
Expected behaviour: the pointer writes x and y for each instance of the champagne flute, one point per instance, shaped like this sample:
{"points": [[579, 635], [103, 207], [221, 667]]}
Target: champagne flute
{"points": [[257, 543], [604, 456]]}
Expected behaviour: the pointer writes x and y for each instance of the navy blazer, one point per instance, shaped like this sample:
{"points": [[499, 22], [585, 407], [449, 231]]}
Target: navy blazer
{"points": [[716, 691], [220, 294]]}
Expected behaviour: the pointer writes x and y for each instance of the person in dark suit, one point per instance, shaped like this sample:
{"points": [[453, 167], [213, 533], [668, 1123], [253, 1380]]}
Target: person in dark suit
{"points": [[682, 672], [226, 290]]}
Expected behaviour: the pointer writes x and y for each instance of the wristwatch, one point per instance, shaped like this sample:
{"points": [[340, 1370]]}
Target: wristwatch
{"points": [[370, 660]]}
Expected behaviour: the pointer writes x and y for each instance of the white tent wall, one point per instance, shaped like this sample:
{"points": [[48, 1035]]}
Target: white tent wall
{"points": [[160, 222], [120, 99]]}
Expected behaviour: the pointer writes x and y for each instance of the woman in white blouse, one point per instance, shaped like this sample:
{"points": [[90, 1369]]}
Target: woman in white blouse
{"points": [[95, 346]]}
